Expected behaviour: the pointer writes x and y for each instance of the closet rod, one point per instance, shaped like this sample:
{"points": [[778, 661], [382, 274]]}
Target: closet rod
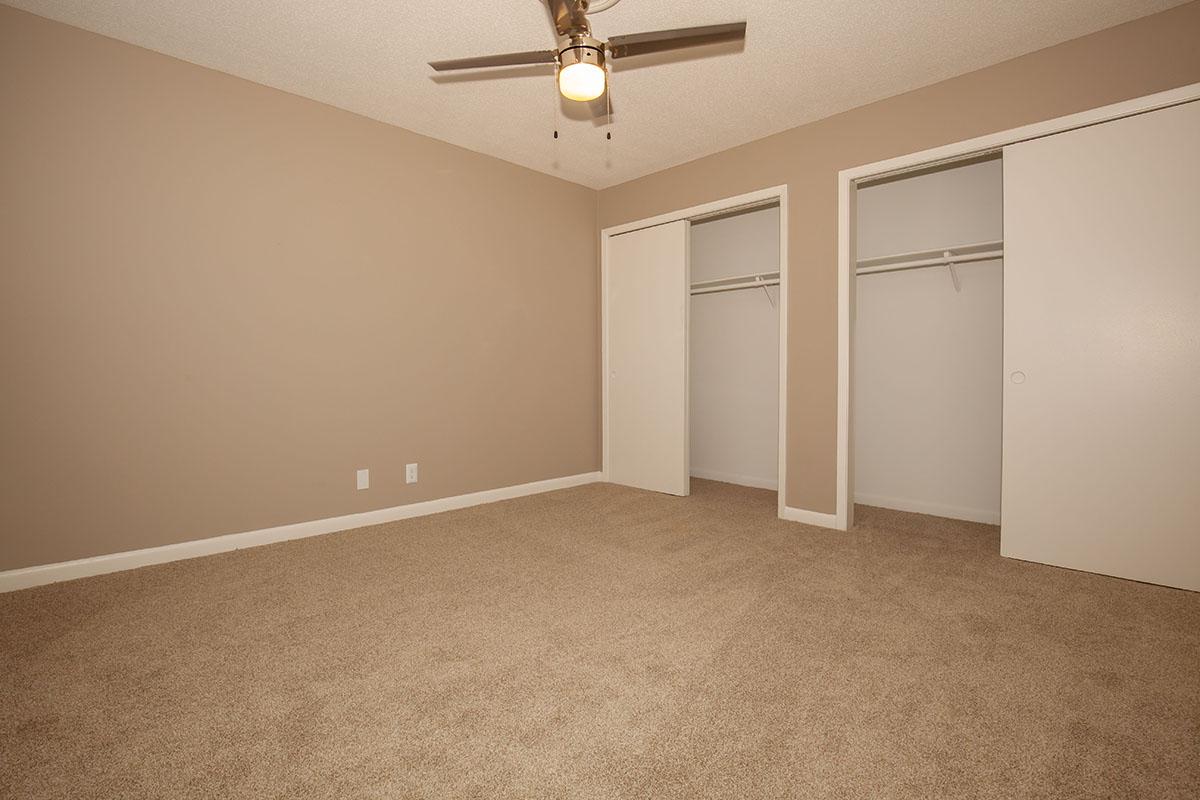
{"points": [[939, 261], [731, 286], [753, 276]]}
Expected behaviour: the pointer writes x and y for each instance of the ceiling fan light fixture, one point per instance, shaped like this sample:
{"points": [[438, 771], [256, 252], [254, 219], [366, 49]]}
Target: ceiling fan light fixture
{"points": [[582, 76], [580, 58]]}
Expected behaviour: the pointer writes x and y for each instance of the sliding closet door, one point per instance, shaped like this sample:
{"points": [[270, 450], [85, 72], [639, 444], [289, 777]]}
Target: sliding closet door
{"points": [[646, 293], [1102, 349]]}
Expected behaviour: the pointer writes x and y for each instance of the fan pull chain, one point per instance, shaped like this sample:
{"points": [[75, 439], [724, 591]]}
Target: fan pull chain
{"points": [[608, 96], [554, 112], [608, 109]]}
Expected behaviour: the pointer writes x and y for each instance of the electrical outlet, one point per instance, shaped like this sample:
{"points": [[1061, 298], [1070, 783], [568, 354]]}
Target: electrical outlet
{"points": [[364, 478], [410, 473]]}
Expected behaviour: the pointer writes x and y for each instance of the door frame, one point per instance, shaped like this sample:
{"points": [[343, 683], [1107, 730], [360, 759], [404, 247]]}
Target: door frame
{"points": [[946, 154], [761, 197]]}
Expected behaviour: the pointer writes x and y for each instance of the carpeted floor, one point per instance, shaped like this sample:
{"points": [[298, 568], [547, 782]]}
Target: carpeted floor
{"points": [[603, 642]]}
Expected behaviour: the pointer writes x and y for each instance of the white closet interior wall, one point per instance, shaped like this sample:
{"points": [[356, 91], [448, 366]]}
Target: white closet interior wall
{"points": [[735, 352], [927, 358]]}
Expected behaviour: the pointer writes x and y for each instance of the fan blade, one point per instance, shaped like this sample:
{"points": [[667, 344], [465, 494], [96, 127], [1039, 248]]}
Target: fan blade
{"points": [[503, 60], [637, 44]]}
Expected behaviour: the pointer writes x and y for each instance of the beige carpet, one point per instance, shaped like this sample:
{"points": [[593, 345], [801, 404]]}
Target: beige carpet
{"points": [[603, 642]]}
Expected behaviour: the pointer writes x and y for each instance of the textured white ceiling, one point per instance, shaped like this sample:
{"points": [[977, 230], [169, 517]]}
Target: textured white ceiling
{"points": [[802, 60]]}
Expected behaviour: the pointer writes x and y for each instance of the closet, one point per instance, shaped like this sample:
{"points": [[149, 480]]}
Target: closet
{"points": [[928, 341], [734, 348], [691, 319], [1026, 345]]}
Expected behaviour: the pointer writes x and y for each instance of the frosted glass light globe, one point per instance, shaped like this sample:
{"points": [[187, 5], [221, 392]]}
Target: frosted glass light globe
{"points": [[582, 81]]}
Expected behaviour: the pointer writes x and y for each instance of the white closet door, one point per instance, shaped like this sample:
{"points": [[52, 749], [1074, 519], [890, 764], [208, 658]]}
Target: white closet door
{"points": [[646, 438], [1102, 349]]}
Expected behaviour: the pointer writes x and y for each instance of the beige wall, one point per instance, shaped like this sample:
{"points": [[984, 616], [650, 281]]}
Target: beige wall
{"points": [[1148, 55], [217, 300]]}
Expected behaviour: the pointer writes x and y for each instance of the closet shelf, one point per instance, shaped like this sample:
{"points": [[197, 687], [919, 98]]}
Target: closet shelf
{"points": [[960, 254], [751, 281]]}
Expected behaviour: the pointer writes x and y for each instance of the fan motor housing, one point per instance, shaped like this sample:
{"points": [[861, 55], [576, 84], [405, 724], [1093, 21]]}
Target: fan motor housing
{"points": [[582, 50]]}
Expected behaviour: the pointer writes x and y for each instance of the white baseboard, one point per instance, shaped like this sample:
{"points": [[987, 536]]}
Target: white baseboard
{"points": [[740, 480], [14, 579], [810, 517], [933, 509]]}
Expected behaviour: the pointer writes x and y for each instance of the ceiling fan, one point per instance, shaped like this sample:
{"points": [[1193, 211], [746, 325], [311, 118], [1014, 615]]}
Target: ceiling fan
{"points": [[580, 59]]}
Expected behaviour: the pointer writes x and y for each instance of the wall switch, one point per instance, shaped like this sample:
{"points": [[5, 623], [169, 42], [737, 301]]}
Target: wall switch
{"points": [[364, 478], [410, 473]]}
